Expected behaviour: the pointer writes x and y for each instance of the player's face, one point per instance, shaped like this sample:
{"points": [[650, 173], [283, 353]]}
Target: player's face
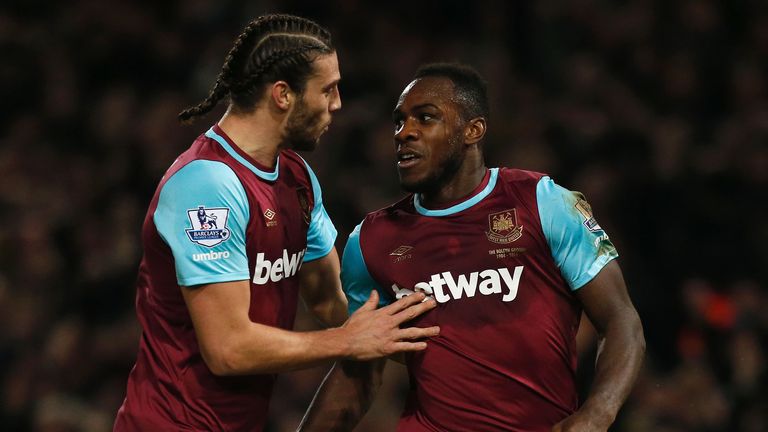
{"points": [[428, 135], [311, 116]]}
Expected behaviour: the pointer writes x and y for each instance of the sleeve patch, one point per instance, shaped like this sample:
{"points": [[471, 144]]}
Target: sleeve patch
{"points": [[579, 246], [583, 207], [209, 225], [202, 214]]}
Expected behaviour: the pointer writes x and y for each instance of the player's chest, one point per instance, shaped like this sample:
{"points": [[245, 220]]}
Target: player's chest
{"points": [[492, 234], [280, 214], [477, 255]]}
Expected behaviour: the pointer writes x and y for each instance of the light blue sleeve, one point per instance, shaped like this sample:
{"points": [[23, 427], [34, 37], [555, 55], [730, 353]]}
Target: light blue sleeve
{"points": [[321, 234], [355, 279], [202, 214], [579, 245]]}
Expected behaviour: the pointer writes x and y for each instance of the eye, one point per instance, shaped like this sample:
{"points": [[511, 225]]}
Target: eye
{"points": [[425, 117]]}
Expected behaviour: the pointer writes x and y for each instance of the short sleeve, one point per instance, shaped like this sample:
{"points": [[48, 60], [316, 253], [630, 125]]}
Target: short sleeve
{"points": [[321, 235], [202, 214], [355, 279], [580, 247]]}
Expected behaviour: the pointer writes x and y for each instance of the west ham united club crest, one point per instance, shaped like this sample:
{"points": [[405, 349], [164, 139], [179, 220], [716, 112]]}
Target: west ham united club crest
{"points": [[306, 211], [503, 227], [209, 225]]}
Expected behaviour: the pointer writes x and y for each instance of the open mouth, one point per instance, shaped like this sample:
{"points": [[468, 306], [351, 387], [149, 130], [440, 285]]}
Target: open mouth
{"points": [[407, 158]]}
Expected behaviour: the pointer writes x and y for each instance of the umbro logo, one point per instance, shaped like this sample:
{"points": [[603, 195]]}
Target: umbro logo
{"points": [[402, 250], [402, 253], [270, 215]]}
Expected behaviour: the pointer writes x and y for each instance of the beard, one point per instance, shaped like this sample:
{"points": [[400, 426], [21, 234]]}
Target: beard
{"points": [[442, 174], [302, 128]]}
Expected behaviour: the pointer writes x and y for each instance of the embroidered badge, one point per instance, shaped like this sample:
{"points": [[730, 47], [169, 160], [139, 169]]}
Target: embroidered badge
{"points": [[503, 227], [402, 253], [270, 215], [306, 211], [209, 225], [402, 250], [585, 209]]}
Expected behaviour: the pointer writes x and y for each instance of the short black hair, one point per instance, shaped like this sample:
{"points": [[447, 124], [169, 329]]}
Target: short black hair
{"points": [[470, 89]]}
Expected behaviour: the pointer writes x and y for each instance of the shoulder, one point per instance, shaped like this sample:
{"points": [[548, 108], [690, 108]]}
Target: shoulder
{"points": [[202, 182], [402, 207], [300, 172], [385, 223], [549, 191], [519, 185], [293, 160], [519, 176], [291, 155], [298, 166], [203, 149], [200, 172]]}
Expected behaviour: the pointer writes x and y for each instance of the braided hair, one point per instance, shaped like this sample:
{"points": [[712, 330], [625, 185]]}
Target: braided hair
{"points": [[270, 48]]}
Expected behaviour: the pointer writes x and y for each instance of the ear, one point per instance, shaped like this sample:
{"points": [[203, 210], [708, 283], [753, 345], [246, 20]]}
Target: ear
{"points": [[282, 95], [474, 131]]}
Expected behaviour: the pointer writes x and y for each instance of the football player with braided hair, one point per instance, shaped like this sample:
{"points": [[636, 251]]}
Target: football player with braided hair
{"points": [[217, 302]]}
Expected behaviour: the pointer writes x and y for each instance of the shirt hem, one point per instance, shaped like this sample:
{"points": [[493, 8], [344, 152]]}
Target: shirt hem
{"points": [[593, 271], [231, 277]]}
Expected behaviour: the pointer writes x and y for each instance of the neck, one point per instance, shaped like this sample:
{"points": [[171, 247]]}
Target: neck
{"points": [[258, 134], [463, 182]]}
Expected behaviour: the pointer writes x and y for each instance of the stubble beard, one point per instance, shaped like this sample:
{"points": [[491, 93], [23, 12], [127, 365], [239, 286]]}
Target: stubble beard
{"points": [[301, 128], [441, 176]]}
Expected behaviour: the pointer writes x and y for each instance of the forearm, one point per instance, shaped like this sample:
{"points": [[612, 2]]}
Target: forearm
{"points": [[344, 396], [264, 349], [620, 355], [232, 344]]}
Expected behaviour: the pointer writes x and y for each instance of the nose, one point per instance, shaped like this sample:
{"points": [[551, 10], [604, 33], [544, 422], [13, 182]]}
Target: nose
{"points": [[335, 101], [406, 132]]}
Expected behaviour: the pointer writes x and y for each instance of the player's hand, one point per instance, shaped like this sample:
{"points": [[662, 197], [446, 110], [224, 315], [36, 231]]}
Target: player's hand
{"points": [[582, 422], [374, 333]]}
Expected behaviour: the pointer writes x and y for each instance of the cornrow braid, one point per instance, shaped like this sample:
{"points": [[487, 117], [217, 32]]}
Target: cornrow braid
{"points": [[266, 64], [270, 48]]}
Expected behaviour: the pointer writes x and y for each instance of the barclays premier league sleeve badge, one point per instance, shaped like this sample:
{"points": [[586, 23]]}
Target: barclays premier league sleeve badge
{"points": [[209, 225], [586, 212]]}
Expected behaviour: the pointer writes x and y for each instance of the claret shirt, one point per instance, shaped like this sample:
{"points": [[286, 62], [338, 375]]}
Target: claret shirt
{"points": [[503, 265], [218, 216]]}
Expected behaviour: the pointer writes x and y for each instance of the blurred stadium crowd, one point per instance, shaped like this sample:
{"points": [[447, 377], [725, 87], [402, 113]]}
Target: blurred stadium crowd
{"points": [[656, 110]]}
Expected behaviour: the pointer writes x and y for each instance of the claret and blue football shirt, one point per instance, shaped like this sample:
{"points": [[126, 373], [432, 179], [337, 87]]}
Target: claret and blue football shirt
{"points": [[503, 265], [218, 216]]}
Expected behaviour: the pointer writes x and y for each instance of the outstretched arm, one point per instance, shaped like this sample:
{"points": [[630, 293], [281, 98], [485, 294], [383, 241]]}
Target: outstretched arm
{"points": [[232, 344], [621, 347]]}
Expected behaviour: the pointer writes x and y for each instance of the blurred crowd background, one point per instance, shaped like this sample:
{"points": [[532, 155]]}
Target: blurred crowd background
{"points": [[656, 110]]}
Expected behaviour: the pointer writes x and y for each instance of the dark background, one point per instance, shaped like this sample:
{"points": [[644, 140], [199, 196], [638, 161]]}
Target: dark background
{"points": [[656, 110]]}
